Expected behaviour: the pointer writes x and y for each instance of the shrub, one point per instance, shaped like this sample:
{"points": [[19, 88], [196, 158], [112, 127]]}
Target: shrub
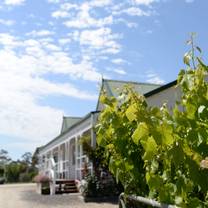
{"points": [[25, 177], [156, 152], [12, 172], [95, 186]]}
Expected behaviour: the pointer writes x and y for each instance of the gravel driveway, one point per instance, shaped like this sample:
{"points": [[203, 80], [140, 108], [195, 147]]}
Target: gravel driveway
{"points": [[24, 196]]}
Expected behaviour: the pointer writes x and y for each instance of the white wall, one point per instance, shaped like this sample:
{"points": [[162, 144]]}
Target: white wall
{"points": [[169, 96]]}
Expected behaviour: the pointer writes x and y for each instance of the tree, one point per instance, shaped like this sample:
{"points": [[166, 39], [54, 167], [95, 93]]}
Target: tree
{"points": [[13, 171], [27, 158], [4, 157], [158, 153], [4, 160]]}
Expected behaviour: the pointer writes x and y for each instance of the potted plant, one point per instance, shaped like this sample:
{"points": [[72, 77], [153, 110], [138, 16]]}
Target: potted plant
{"points": [[43, 184]]}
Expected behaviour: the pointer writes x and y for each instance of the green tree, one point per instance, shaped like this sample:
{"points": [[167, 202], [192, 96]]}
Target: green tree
{"points": [[27, 158], [4, 160], [13, 170], [158, 153], [4, 157]]}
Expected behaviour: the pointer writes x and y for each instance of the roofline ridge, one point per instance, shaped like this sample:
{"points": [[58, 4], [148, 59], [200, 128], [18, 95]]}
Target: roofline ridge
{"points": [[72, 117], [133, 82], [161, 88]]}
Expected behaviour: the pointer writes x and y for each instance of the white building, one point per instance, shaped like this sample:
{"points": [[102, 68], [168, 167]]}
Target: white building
{"points": [[66, 149]]}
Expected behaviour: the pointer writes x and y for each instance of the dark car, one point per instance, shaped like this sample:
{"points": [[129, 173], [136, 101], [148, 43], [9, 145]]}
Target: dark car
{"points": [[2, 180]]}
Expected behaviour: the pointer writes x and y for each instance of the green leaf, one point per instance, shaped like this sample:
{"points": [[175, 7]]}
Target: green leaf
{"points": [[167, 132], [140, 132], [189, 42], [199, 49], [150, 148], [176, 154], [154, 181], [131, 113], [186, 59], [195, 203], [191, 110], [202, 64]]}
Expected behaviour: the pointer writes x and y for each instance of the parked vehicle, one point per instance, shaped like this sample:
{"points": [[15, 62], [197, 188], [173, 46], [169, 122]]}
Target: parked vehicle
{"points": [[2, 180]]}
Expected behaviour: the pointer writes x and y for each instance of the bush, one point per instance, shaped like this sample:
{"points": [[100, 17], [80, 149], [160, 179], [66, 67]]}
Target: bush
{"points": [[12, 172], [25, 177], [1, 171], [157, 152], [95, 186], [91, 187]]}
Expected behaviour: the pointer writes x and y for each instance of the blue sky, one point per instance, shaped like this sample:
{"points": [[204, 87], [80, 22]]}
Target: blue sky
{"points": [[53, 54]]}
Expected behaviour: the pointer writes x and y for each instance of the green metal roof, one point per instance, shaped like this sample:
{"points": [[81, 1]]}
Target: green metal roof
{"points": [[69, 128], [114, 87], [68, 122]]}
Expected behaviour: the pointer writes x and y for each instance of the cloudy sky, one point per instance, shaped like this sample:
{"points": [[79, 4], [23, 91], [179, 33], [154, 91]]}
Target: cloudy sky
{"points": [[53, 54]]}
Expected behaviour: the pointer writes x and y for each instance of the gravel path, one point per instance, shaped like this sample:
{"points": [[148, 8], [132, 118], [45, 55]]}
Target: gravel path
{"points": [[24, 196]]}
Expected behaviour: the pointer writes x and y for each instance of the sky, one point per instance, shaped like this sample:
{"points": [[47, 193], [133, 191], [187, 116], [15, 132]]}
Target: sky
{"points": [[54, 53]]}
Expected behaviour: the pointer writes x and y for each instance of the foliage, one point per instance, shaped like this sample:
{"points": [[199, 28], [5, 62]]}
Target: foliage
{"points": [[17, 171], [91, 188], [95, 154], [99, 187], [12, 172], [27, 158], [4, 160], [1, 171], [156, 152], [101, 183]]}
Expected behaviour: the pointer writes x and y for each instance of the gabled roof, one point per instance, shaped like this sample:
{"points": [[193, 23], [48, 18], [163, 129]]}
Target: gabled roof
{"points": [[112, 88], [68, 122], [70, 128], [161, 88]]}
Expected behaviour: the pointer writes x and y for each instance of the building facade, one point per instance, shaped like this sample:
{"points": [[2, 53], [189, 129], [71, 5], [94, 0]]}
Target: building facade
{"points": [[65, 155]]}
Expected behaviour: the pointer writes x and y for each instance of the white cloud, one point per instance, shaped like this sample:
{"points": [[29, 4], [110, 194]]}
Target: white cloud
{"points": [[126, 22], [64, 41], [84, 20], [154, 78], [145, 2], [81, 17], [7, 22], [60, 14], [99, 38], [64, 10], [135, 11], [14, 2], [9, 41], [68, 6], [118, 61], [100, 3], [40, 33], [120, 71], [54, 1], [23, 85]]}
